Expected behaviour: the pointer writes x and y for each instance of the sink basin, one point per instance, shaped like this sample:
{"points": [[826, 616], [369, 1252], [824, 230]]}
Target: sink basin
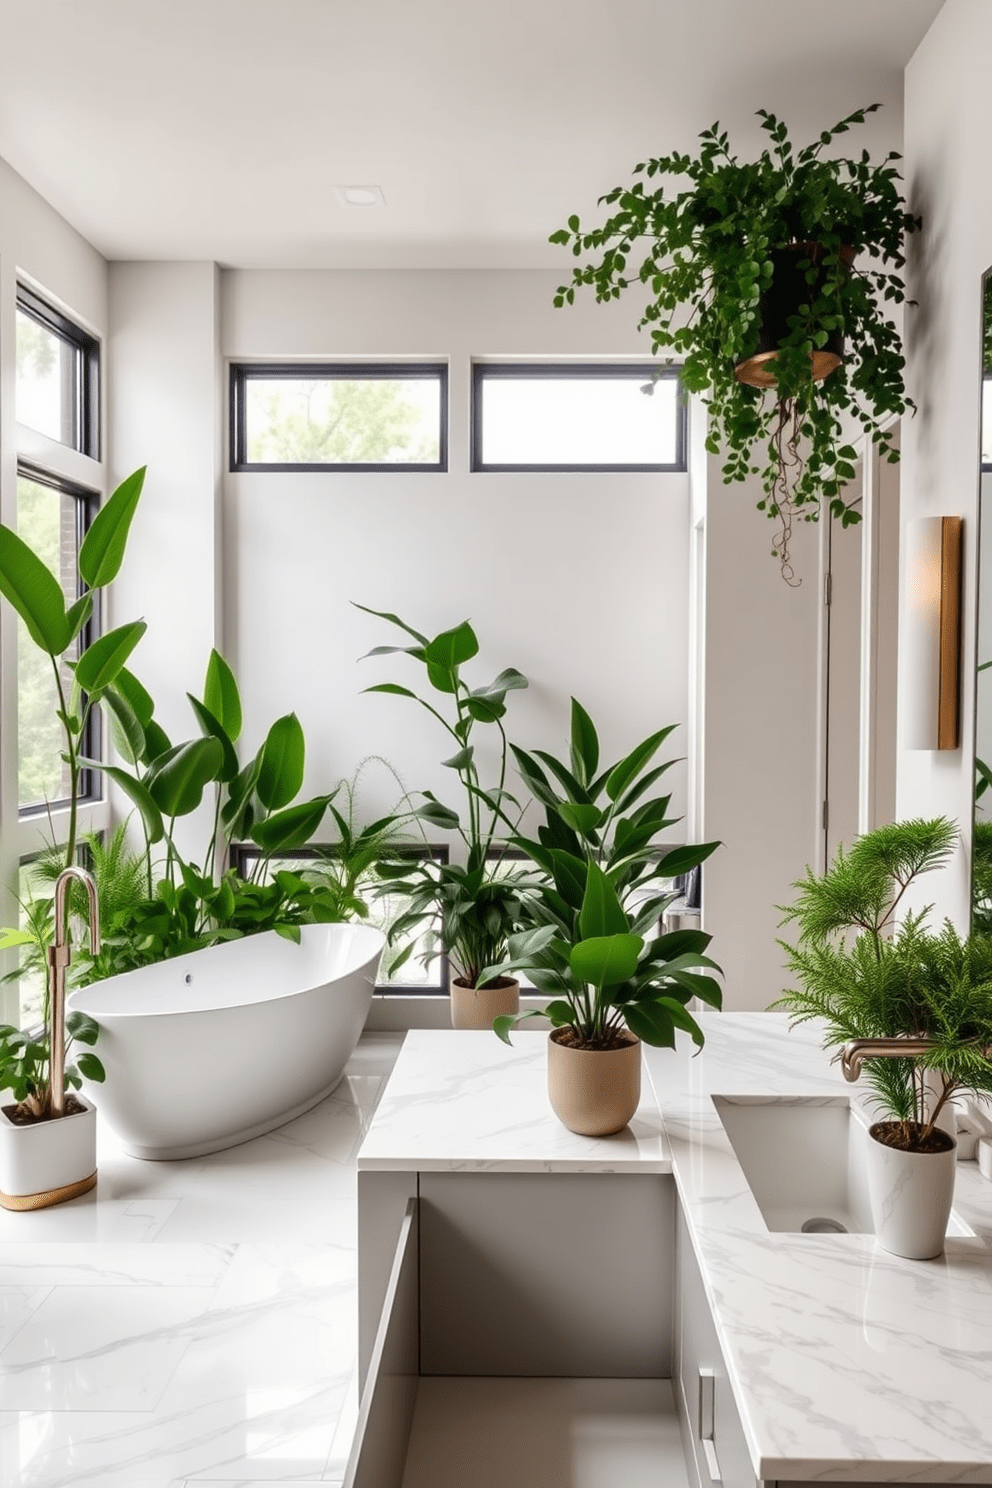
{"points": [[804, 1160]]}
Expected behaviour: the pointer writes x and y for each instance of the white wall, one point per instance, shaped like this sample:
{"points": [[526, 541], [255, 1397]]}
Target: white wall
{"points": [[579, 580], [40, 247], [165, 413], [949, 179], [761, 760]]}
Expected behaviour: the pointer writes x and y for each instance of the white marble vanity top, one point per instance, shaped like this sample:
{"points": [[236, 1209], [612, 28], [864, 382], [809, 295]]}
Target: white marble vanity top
{"points": [[465, 1101], [847, 1364]]}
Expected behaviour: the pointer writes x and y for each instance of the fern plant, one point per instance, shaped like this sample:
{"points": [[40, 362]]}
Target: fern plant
{"points": [[865, 975]]}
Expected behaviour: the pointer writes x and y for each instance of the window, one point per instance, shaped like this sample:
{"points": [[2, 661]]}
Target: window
{"points": [[52, 516], [528, 416], [412, 976], [58, 381], [339, 417]]}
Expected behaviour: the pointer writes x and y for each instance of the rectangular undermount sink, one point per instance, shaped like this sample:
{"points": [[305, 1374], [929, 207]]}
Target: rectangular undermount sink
{"points": [[804, 1161]]}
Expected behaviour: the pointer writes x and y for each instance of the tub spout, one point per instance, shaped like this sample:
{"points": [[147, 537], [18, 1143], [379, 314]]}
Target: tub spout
{"points": [[58, 961]]}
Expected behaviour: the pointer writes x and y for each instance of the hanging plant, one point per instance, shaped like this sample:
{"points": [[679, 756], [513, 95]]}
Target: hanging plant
{"points": [[755, 285]]}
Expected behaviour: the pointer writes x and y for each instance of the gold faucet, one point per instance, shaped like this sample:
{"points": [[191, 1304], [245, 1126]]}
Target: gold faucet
{"points": [[854, 1053], [58, 961]]}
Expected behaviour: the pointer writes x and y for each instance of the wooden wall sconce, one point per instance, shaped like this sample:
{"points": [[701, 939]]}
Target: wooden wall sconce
{"points": [[933, 619]]}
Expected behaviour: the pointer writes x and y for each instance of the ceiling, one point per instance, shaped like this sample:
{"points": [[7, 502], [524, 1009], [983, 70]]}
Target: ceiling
{"points": [[216, 129]]}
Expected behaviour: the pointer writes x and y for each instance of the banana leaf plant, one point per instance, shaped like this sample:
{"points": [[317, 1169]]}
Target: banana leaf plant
{"points": [[477, 905], [37, 597], [594, 946]]}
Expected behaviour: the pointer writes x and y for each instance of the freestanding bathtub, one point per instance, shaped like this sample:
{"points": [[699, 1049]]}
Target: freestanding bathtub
{"points": [[218, 1046]]}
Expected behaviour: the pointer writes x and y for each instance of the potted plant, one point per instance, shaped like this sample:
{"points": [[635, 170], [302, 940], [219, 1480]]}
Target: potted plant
{"points": [[752, 282], [478, 904], [48, 1138], [914, 1004], [593, 947]]}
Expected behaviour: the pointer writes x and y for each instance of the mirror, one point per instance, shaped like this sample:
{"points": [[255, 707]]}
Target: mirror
{"points": [[982, 847]]}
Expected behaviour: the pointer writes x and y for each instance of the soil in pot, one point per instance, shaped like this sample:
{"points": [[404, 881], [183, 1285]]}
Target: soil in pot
{"points": [[593, 1091], [905, 1137], [21, 1116], [476, 1007]]}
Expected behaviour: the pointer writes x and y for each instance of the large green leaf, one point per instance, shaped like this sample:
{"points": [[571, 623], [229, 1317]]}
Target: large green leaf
{"points": [[584, 744], [102, 551], [605, 960], [136, 791], [125, 729], [212, 728], [34, 592], [127, 684], [221, 696], [601, 913], [581, 816], [393, 620], [681, 859], [101, 662], [284, 831], [630, 767], [283, 761], [178, 778], [78, 614], [452, 647]]}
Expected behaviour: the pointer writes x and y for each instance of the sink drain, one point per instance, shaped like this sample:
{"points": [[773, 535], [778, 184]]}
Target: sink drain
{"points": [[819, 1225]]}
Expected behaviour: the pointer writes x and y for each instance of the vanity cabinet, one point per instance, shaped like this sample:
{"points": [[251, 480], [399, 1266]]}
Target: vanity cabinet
{"points": [[715, 1448], [524, 1335]]}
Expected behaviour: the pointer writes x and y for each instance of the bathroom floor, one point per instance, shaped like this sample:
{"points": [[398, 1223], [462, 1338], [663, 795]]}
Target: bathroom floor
{"points": [[192, 1322]]}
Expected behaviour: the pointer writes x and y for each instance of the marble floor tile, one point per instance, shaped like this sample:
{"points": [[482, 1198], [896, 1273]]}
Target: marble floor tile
{"points": [[17, 1304], [106, 1348], [67, 1264], [192, 1322]]}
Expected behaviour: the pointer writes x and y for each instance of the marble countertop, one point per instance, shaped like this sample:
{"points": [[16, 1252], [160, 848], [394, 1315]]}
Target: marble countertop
{"points": [[847, 1363]]}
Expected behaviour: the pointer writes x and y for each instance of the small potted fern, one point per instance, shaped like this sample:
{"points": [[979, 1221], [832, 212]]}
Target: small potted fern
{"points": [[922, 999]]}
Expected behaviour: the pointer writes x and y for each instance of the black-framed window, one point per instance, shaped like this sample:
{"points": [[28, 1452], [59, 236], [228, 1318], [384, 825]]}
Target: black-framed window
{"points": [[412, 976], [58, 375], [577, 416], [354, 416], [52, 517]]}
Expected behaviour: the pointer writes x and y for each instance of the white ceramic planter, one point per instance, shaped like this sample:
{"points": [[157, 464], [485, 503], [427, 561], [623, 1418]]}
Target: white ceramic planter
{"points": [[473, 1007], [39, 1162], [911, 1194]]}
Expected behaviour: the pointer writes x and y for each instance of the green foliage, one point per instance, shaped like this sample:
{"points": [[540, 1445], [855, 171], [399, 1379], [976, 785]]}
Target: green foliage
{"points": [[709, 255], [592, 945], [478, 907], [981, 878], [866, 976], [344, 421], [24, 1063]]}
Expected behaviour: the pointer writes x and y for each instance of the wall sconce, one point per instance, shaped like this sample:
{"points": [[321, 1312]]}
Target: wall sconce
{"points": [[933, 633]]}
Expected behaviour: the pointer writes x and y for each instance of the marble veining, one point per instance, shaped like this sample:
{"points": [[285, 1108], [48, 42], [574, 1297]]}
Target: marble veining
{"points": [[846, 1363], [468, 1102], [192, 1322]]}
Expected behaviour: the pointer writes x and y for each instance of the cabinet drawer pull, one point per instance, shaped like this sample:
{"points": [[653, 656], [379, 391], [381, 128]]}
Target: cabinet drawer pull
{"points": [[707, 1387]]}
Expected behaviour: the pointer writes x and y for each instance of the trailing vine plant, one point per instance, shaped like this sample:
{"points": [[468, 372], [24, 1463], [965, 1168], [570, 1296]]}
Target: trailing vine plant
{"points": [[710, 255]]}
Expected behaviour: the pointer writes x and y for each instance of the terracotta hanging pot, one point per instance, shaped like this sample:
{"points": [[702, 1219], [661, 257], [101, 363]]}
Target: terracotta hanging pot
{"points": [[788, 290], [594, 1092], [476, 1007]]}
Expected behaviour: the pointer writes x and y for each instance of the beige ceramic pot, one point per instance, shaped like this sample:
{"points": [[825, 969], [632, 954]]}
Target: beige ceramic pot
{"points": [[476, 1007], [594, 1092]]}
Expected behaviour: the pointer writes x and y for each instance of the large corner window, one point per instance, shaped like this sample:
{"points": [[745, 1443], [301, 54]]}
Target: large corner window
{"points": [[58, 376], [339, 416], [52, 518], [577, 416]]}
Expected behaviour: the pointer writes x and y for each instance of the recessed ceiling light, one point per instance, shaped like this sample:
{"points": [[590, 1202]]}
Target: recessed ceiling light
{"points": [[360, 196]]}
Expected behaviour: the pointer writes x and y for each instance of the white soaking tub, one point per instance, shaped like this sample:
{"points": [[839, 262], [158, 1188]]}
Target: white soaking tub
{"points": [[218, 1046]]}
